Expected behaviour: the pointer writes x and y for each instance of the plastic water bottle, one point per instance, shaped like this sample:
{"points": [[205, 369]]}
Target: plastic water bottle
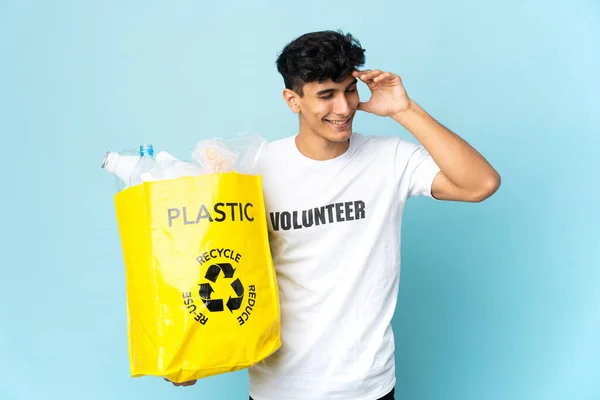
{"points": [[144, 164], [122, 165]]}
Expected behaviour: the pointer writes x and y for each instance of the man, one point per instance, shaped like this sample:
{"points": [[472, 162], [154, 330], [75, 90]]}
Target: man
{"points": [[335, 201]]}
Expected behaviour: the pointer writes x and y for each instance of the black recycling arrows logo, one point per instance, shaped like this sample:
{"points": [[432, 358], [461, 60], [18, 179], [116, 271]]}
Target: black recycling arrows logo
{"points": [[206, 290]]}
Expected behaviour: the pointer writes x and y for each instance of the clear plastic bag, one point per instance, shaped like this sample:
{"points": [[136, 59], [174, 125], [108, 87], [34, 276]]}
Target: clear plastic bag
{"points": [[241, 153]]}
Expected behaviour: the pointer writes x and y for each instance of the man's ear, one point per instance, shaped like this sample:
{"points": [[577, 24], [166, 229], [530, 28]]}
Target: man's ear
{"points": [[291, 98]]}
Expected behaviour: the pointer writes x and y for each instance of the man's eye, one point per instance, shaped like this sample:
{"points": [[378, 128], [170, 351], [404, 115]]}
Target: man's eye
{"points": [[350, 90], [329, 96]]}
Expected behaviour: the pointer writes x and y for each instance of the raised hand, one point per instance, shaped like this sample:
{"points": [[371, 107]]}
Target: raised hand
{"points": [[388, 95]]}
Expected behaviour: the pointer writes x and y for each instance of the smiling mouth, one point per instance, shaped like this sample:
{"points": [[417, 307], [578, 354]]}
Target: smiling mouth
{"points": [[338, 121]]}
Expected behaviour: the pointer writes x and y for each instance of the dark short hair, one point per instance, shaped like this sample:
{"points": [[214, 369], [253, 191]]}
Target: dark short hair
{"points": [[319, 56]]}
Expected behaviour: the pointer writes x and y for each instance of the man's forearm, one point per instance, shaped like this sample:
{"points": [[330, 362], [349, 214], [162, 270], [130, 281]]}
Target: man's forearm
{"points": [[461, 163]]}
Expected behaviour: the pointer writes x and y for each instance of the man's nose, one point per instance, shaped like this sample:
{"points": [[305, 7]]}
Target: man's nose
{"points": [[342, 107]]}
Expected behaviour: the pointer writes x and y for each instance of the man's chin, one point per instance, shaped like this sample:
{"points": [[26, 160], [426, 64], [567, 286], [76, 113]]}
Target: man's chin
{"points": [[338, 135], [341, 136]]}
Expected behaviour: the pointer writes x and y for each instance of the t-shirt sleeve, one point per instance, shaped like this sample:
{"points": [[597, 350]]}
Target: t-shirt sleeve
{"points": [[419, 168]]}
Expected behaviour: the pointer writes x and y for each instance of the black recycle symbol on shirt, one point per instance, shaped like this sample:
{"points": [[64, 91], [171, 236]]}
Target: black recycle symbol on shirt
{"points": [[206, 290]]}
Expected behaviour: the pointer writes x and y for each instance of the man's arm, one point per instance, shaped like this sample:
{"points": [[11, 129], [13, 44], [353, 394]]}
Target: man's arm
{"points": [[465, 174]]}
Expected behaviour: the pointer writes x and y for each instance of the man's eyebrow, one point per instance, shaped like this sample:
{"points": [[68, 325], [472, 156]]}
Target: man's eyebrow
{"points": [[326, 91]]}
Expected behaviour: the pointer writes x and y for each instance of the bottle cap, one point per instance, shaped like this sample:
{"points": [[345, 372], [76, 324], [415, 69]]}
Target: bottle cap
{"points": [[146, 150], [108, 161]]}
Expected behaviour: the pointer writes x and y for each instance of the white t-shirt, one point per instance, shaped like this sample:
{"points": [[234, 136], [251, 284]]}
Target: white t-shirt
{"points": [[334, 230]]}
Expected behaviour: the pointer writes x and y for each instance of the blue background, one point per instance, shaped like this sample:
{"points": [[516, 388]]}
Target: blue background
{"points": [[498, 300]]}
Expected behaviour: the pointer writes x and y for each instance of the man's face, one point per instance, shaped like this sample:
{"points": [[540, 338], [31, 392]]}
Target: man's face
{"points": [[327, 109]]}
